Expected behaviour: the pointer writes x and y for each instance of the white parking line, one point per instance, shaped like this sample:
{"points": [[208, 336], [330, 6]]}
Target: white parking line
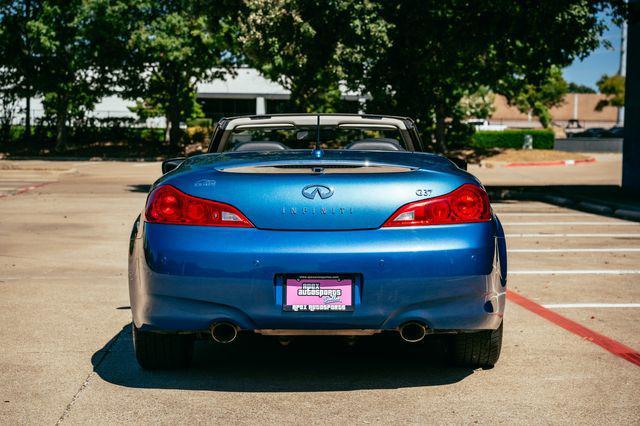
{"points": [[578, 250], [543, 235], [591, 305], [579, 272], [610, 223]]}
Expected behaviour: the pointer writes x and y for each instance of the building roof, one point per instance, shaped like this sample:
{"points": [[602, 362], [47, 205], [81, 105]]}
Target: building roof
{"points": [[246, 83]]}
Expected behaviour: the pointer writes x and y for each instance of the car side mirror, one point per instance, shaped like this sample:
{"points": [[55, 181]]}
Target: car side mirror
{"points": [[460, 162], [172, 164]]}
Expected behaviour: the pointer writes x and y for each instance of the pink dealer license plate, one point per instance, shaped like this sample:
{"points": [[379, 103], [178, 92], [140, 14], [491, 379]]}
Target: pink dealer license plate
{"points": [[318, 294]]}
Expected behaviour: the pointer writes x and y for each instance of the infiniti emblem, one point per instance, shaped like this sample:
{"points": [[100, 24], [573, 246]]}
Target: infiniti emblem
{"points": [[310, 191]]}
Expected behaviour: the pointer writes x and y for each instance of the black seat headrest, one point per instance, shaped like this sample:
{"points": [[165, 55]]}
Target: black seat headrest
{"points": [[260, 146], [376, 144]]}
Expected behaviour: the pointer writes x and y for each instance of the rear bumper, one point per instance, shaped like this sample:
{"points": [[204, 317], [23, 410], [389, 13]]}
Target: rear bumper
{"points": [[184, 278]]}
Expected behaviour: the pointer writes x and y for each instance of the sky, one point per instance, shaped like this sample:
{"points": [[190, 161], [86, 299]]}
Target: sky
{"points": [[600, 61]]}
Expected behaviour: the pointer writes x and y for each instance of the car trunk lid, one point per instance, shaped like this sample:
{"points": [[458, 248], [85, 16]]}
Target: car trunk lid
{"points": [[337, 192]]}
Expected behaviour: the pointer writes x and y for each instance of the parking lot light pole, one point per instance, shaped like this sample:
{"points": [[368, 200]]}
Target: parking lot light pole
{"points": [[631, 148], [622, 70]]}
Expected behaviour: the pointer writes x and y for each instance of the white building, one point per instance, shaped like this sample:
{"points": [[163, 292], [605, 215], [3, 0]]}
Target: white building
{"points": [[246, 93]]}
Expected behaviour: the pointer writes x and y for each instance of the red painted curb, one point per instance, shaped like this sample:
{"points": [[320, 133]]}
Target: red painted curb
{"points": [[613, 346], [552, 163], [25, 189]]}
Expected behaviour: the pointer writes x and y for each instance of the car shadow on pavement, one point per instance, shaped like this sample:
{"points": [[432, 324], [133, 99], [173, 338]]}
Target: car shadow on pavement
{"points": [[260, 364], [603, 200], [144, 188]]}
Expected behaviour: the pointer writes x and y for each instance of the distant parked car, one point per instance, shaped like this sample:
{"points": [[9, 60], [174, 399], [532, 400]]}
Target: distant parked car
{"points": [[594, 132], [617, 132]]}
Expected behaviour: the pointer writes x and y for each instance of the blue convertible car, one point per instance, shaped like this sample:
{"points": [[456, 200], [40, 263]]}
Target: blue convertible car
{"points": [[306, 224]]}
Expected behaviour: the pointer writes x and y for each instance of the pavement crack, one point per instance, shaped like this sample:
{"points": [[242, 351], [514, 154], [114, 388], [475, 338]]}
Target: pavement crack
{"points": [[85, 383]]}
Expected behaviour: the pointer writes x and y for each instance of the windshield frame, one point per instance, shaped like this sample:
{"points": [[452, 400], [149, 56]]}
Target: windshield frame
{"points": [[406, 127], [334, 137]]}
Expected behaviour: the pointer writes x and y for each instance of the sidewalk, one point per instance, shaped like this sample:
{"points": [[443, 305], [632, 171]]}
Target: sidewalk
{"points": [[606, 170], [592, 187]]}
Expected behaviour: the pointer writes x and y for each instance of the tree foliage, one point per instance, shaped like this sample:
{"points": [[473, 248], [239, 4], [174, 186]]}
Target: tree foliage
{"points": [[170, 47], [613, 87], [52, 49], [74, 52], [442, 49], [538, 99], [312, 46], [427, 59], [19, 64], [580, 88], [479, 104]]}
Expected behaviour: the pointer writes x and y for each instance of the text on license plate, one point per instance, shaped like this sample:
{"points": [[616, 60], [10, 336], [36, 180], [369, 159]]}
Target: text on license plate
{"points": [[318, 294]]}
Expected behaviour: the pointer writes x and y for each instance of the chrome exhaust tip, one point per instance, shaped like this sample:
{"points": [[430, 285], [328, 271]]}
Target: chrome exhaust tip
{"points": [[412, 332], [224, 332]]}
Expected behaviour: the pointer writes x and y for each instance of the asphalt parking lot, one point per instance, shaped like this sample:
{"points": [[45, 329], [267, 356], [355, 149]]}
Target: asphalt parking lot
{"points": [[570, 352]]}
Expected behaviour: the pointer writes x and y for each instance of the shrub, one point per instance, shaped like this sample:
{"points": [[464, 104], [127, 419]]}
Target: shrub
{"points": [[199, 134], [542, 139], [89, 141], [200, 122]]}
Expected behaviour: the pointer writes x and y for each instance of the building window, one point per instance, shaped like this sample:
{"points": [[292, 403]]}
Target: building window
{"points": [[216, 108]]}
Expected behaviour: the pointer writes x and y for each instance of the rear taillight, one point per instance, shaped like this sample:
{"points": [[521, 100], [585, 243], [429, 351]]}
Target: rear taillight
{"points": [[469, 203], [167, 204]]}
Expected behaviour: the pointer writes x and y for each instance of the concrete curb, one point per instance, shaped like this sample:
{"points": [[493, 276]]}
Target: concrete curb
{"points": [[627, 214], [552, 163], [24, 190], [595, 208], [556, 199]]}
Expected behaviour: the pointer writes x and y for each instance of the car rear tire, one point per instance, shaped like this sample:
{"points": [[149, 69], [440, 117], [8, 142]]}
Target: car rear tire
{"points": [[477, 350], [156, 351]]}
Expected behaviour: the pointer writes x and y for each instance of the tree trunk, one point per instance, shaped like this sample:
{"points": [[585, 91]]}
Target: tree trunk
{"points": [[174, 132], [167, 129], [441, 129], [61, 124], [27, 120], [61, 132], [173, 117]]}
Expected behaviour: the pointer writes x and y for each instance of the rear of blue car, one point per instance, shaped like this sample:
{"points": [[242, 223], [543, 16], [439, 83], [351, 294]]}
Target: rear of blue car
{"points": [[401, 243]]}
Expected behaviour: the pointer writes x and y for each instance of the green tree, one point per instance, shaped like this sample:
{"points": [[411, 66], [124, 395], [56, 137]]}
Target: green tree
{"points": [[50, 50], [479, 104], [538, 99], [19, 64], [170, 47], [71, 76], [312, 46], [442, 49], [580, 88], [8, 105], [613, 87]]}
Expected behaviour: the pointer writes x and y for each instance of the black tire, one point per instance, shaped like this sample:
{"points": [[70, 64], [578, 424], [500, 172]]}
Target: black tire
{"points": [[477, 350], [156, 351]]}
